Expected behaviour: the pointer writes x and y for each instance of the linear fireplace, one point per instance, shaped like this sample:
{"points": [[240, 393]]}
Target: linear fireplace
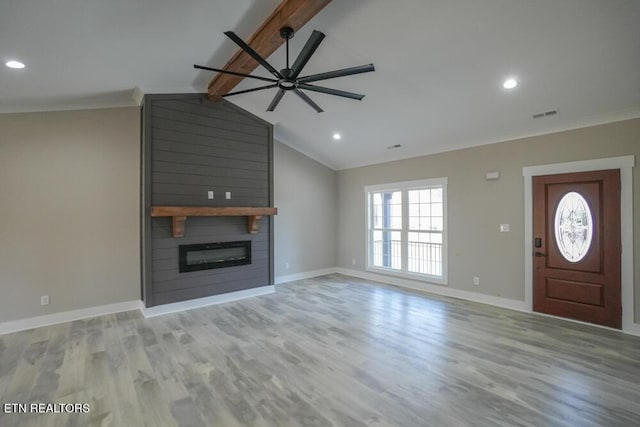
{"points": [[206, 256]]}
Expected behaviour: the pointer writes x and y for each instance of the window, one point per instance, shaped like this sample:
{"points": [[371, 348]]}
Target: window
{"points": [[406, 229], [573, 226]]}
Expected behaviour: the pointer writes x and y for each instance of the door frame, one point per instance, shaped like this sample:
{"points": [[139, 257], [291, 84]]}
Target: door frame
{"points": [[625, 164]]}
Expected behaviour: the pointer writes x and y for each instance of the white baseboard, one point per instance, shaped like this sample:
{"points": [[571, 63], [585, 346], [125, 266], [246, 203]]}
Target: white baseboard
{"points": [[159, 310], [68, 316], [85, 313], [305, 275], [437, 289], [633, 329], [410, 284]]}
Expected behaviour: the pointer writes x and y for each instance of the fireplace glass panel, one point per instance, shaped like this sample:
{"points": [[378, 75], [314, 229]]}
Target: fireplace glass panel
{"points": [[214, 255]]}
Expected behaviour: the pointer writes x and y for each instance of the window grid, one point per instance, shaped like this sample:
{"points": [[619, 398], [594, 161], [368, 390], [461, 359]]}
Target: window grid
{"points": [[387, 228], [407, 229], [426, 220]]}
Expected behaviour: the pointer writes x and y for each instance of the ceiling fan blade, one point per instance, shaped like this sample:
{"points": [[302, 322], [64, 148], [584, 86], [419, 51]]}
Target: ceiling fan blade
{"points": [[255, 55], [276, 100], [305, 54], [337, 73], [251, 90], [308, 100], [331, 91], [218, 70]]}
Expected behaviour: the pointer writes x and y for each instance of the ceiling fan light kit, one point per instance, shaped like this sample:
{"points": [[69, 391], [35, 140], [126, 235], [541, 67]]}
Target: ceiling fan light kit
{"points": [[287, 79]]}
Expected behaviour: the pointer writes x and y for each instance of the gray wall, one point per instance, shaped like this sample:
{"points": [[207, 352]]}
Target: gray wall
{"points": [[70, 199], [476, 207], [306, 225], [193, 146], [69, 216]]}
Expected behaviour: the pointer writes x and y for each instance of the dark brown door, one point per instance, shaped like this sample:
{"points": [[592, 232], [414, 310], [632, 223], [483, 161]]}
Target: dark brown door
{"points": [[576, 246]]}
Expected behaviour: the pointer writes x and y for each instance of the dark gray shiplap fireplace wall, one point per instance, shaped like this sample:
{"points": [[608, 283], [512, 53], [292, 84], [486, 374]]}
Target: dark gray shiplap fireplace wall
{"points": [[190, 146]]}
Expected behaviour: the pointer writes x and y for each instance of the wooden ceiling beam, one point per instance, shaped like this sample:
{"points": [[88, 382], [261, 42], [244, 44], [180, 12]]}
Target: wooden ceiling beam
{"points": [[265, 41]]}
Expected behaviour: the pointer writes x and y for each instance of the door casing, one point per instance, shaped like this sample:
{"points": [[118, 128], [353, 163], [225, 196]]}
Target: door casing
{"points": [[625, 164]]}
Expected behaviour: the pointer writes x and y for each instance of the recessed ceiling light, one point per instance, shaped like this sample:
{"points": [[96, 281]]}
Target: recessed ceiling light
{"points": [[337, 136], [14, 64], [510, 83]]}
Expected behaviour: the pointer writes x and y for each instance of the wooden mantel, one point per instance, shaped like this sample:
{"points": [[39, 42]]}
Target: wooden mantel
{"points": [[179, 215]]}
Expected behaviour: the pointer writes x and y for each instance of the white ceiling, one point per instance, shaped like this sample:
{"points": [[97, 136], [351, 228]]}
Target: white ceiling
{"points": [[437, 85]]}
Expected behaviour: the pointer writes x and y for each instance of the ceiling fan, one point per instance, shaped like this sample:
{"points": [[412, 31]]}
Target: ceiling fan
{"points": [[288, 78]]}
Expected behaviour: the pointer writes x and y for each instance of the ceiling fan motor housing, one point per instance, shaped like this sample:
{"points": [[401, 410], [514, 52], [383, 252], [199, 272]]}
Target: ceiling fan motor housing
{"points": [[286, 82]]}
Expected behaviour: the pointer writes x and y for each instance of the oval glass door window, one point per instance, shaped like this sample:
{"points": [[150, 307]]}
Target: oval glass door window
{"points": [[573, 227]]}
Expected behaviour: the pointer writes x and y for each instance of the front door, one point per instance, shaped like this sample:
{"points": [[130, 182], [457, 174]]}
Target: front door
{"points": [[576, 246]]}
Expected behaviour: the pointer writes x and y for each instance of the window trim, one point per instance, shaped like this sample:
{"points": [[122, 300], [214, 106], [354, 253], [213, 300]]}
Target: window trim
{"points": [[405, 186]]}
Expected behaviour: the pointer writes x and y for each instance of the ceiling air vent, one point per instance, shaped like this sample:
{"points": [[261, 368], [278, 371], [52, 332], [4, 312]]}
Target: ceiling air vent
{"points": [[545, 114]]}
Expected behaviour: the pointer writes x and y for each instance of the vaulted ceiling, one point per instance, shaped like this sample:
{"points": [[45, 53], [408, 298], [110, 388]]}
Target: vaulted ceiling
{"points": [[440, 65]]}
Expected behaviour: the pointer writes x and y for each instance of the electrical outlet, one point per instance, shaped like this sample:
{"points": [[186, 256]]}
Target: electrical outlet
{"points": [[286, 265], [228, 195], [476, 280], [44, 300], [210, 194], [504, 228]]}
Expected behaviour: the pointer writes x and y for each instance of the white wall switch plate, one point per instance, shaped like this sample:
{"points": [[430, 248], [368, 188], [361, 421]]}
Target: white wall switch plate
{"points": [[492, 176], [44, 300], [228, 195], [504, 228], [210, 194], [476, 280]]}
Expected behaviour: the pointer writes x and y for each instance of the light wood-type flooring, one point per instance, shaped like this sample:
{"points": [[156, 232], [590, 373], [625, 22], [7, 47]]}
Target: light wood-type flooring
{"points": [[329, 351]]}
